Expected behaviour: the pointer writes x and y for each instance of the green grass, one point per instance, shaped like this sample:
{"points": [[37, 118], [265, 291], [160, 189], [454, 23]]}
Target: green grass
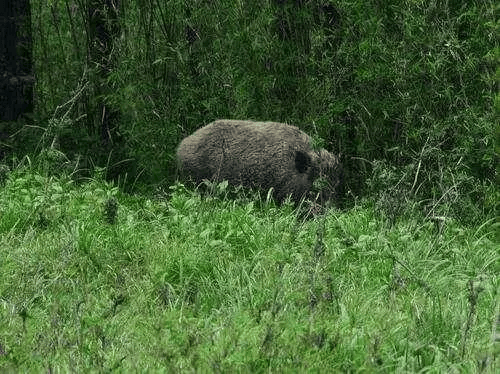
{"points": [[96, 280]]}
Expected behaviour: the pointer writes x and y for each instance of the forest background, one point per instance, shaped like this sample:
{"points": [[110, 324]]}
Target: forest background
{"points": [[406, 92]]}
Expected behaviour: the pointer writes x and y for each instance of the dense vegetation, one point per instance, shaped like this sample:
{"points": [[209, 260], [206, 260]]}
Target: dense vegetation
{"points": [[93, 279], [106, 264], [406, 92]]}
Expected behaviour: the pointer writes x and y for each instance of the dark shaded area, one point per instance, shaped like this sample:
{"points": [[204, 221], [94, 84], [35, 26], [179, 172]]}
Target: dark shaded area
{"points": [[16, 79], [103, 30]]}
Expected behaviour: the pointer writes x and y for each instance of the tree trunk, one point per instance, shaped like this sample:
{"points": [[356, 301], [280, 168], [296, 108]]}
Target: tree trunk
{"points": [[16, 78], [103, 29]]}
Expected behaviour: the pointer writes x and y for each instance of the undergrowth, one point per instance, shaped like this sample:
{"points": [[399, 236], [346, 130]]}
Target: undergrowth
{"points": [[97, 280]]}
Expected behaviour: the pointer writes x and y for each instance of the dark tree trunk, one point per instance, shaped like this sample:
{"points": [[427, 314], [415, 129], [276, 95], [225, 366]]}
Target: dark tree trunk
{"points": [[16, 78], [103, 29]]}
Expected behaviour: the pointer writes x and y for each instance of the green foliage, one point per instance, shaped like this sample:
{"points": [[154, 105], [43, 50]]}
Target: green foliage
{"points": [[406, 280], [183, 283], [412, 85]]}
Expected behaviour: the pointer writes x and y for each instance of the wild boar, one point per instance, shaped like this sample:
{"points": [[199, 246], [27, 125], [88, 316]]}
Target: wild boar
{"points": [[260, 154]]}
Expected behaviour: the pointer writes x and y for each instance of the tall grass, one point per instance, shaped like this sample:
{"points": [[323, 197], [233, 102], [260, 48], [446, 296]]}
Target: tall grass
{"points": [[97, 280]]}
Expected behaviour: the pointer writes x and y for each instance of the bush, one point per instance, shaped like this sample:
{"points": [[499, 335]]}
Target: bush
{"points": [[411, 85]]}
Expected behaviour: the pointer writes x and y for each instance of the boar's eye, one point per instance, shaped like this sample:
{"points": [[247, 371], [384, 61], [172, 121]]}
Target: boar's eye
{"points": [[302, 161]]}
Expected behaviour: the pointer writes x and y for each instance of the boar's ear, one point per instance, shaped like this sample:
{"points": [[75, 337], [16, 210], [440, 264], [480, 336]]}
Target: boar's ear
{"points": [[302, 161]]}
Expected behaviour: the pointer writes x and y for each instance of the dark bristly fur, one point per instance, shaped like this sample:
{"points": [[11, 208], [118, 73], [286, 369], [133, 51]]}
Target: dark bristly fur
{"points": [[259, 154]]}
